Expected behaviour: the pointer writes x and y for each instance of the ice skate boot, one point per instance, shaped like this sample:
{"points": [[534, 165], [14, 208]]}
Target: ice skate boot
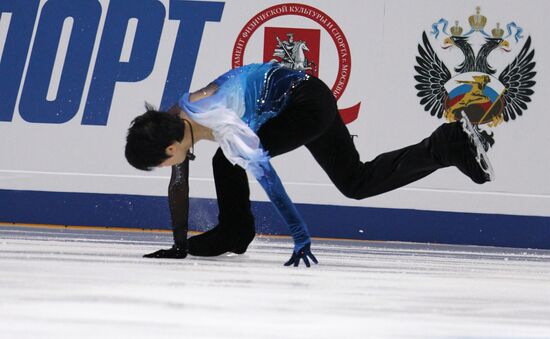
{"points": [[222, 239], [480, 143]]}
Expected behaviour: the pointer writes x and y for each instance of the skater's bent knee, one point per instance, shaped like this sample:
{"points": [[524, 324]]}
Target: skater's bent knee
{"points": [[354, 193]]}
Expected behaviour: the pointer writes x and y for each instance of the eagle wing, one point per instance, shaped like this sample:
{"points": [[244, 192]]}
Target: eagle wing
{"points": [[517, 79], [432, 76]]}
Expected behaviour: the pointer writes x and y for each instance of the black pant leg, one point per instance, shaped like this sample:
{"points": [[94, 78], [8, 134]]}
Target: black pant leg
{"points": [[337, 155], [312, 119], [232, 192], [236, 227]]}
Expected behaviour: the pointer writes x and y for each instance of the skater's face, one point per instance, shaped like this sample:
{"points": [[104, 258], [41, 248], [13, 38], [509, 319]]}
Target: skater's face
{"points": [[177, 151]]}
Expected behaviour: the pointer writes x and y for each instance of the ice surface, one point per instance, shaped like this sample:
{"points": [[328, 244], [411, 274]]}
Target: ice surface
{"points": [[72, 283]]}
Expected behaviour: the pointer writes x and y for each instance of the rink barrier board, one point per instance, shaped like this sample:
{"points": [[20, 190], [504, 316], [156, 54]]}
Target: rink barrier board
{"points": [[325, 221]]}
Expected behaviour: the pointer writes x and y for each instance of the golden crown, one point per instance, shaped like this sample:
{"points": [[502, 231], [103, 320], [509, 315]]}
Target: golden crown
{"points": [[477, 21], [497, 31], [456, 30]]}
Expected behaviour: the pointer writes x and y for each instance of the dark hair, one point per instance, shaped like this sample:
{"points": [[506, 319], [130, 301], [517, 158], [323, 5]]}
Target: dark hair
{"points": [[149, 135]]}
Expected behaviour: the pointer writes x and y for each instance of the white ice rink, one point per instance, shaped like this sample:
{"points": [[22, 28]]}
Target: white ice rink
{"points": [[75, 283]]}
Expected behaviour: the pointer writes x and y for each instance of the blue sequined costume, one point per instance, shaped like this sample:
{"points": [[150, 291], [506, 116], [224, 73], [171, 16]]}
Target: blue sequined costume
{"points": [[246, 98]]}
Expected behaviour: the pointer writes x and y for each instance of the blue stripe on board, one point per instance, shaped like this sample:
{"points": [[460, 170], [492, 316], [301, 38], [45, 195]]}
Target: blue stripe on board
{"points": [[90, 209]]}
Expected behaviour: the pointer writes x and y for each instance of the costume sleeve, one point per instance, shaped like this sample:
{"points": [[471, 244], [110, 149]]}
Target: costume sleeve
{"points": [[240, 145], [273, 186], [178, 199]]}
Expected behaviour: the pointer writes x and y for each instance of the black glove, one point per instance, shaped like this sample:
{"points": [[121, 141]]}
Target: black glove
{"points": [[174, 252], [303, 253]]}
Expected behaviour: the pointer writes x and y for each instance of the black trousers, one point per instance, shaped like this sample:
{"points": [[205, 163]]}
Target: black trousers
{"points": [[311, 119]]}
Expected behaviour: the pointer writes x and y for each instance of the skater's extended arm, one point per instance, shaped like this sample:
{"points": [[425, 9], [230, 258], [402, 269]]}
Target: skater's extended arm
{"points": [[273, 186], [178, 199]]}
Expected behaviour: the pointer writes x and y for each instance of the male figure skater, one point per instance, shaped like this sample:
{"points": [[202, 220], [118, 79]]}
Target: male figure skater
{"points": [[259, 111]]}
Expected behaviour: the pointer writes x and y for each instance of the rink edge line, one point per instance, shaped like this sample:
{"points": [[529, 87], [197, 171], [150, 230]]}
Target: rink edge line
{"points": [[147, 230]]}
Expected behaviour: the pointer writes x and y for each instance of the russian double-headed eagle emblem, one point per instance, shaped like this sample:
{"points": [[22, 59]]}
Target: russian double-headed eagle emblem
{"points": [[474, 87]]}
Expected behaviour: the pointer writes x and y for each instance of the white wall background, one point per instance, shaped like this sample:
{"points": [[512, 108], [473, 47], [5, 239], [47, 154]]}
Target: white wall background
{"points": [[383, 37]]}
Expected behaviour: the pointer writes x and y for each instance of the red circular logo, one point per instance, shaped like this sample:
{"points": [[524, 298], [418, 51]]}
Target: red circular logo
{"points": [[344, 56]]}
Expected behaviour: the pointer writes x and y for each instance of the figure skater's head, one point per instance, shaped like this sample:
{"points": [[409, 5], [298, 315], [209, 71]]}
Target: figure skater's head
{"points": [[156, 139]]}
